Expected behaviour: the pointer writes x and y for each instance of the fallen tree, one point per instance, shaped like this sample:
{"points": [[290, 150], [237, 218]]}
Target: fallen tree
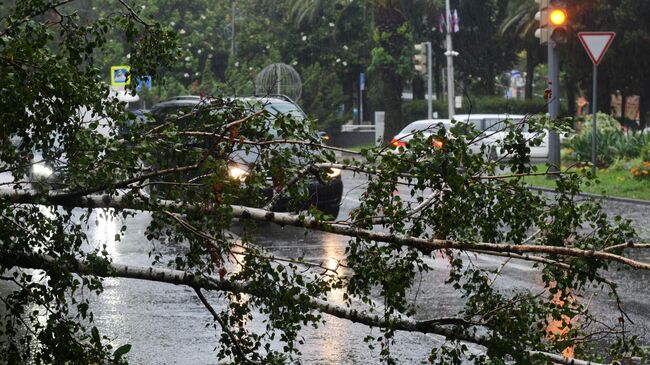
{"points": [[416, 203]]}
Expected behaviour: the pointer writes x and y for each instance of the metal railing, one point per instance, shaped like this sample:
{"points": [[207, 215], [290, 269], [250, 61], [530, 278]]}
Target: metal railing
{"points": [[358, 128]]}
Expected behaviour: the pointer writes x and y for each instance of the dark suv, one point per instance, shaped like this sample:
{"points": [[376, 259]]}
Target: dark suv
{"points": [[324, 194]]}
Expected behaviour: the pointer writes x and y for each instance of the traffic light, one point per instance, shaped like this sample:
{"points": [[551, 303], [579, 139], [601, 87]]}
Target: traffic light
{"points": [[553, 19], [558, 19], [542, 17], [420, 58]]}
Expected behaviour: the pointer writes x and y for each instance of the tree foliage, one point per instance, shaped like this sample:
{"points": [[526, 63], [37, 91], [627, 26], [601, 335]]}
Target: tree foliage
{"points": [[461, 206]]}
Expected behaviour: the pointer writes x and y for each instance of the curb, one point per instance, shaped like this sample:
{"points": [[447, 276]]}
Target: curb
{"points": [[598, 196]]}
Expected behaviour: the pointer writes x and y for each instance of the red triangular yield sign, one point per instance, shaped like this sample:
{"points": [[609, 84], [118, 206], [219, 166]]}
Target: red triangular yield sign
{"points": [[596, 44]]}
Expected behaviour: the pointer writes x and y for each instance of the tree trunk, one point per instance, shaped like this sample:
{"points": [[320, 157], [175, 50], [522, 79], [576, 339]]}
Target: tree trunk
{"points": [[392, 104], [387, 21], [349, 83], [530, 72]]}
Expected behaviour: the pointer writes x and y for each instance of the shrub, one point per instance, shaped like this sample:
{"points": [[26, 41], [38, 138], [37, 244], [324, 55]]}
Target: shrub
{"points": [[579, 147], [605, 123], [499, 105], [631, 145], [611, 145], [417, 109], [642, 171], [645, 151]]}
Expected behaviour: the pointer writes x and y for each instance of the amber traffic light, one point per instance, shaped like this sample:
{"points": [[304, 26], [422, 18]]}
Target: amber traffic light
{"points": [[557, 17], [558, 20]]}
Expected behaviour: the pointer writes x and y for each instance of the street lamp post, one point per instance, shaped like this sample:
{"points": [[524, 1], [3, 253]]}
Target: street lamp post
{"points": [[450, 64]]}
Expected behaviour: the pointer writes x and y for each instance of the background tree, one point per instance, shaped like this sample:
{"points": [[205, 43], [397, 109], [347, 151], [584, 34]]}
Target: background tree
{"points": [[521, 21], [484, 54], [391, 61]]}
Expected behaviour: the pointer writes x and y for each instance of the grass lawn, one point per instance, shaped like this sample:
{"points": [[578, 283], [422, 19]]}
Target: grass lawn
{"points": [[610, 182]]}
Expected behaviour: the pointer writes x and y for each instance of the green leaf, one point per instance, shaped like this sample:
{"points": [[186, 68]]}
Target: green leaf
{"points": [[121, 351]]}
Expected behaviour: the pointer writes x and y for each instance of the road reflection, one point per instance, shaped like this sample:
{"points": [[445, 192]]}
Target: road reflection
{"points": [[332, 260]]}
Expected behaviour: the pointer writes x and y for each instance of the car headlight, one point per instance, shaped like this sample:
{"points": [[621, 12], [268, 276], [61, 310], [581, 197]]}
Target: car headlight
{"points": [[332, 173], [237, 172], [41, 170]]}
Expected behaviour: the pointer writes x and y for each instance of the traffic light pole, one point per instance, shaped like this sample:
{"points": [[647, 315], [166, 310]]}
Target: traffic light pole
{"points": [[419, 59], [553, 107]]}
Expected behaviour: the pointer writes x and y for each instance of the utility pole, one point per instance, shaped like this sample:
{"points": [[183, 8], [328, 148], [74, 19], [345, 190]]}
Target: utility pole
{"points": [[232, 40], [450, 63]]}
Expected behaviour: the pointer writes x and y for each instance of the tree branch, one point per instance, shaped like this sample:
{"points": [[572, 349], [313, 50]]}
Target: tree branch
{"points": [[134, 14], [279, 194], [425, 245], [450, 329], [49, 6], [240, 352]]}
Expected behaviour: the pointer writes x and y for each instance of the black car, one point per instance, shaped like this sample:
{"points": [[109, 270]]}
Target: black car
{"points": [[324, 194]]}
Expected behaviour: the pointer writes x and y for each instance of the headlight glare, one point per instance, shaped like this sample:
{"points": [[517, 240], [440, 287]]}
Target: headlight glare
{"points": [[41, 170], [236, 172]]}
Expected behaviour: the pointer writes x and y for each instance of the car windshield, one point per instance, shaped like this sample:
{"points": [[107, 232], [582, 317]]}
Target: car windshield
{"points": [[476, 123], [428, 127], [274, 107], [500, 123], [284, 108]]}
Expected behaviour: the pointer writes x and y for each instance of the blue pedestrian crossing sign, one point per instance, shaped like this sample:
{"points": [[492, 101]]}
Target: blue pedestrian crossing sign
{"points": [[144, 81]]}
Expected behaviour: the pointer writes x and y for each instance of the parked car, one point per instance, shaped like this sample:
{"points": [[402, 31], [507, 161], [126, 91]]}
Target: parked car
{"points": [[492, 126], [324, 194], [426, 126]]}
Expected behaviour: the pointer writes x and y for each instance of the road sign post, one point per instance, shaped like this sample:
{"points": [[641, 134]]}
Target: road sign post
{"points": [[594, 121], [596, 45], [362, 88]]}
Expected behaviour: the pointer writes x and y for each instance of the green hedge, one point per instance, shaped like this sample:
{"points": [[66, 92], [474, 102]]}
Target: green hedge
{"points": [[417, 109]]}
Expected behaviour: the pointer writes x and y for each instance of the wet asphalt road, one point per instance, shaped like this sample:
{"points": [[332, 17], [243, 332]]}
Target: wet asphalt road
{"points": [[168, 325]]}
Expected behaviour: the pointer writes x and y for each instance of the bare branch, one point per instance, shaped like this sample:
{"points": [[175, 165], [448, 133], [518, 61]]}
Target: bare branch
{"points": [[451, 328], [274, 142], [133, 13], [279, 194], [424, 245], [238, 350], [626, 245]]}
